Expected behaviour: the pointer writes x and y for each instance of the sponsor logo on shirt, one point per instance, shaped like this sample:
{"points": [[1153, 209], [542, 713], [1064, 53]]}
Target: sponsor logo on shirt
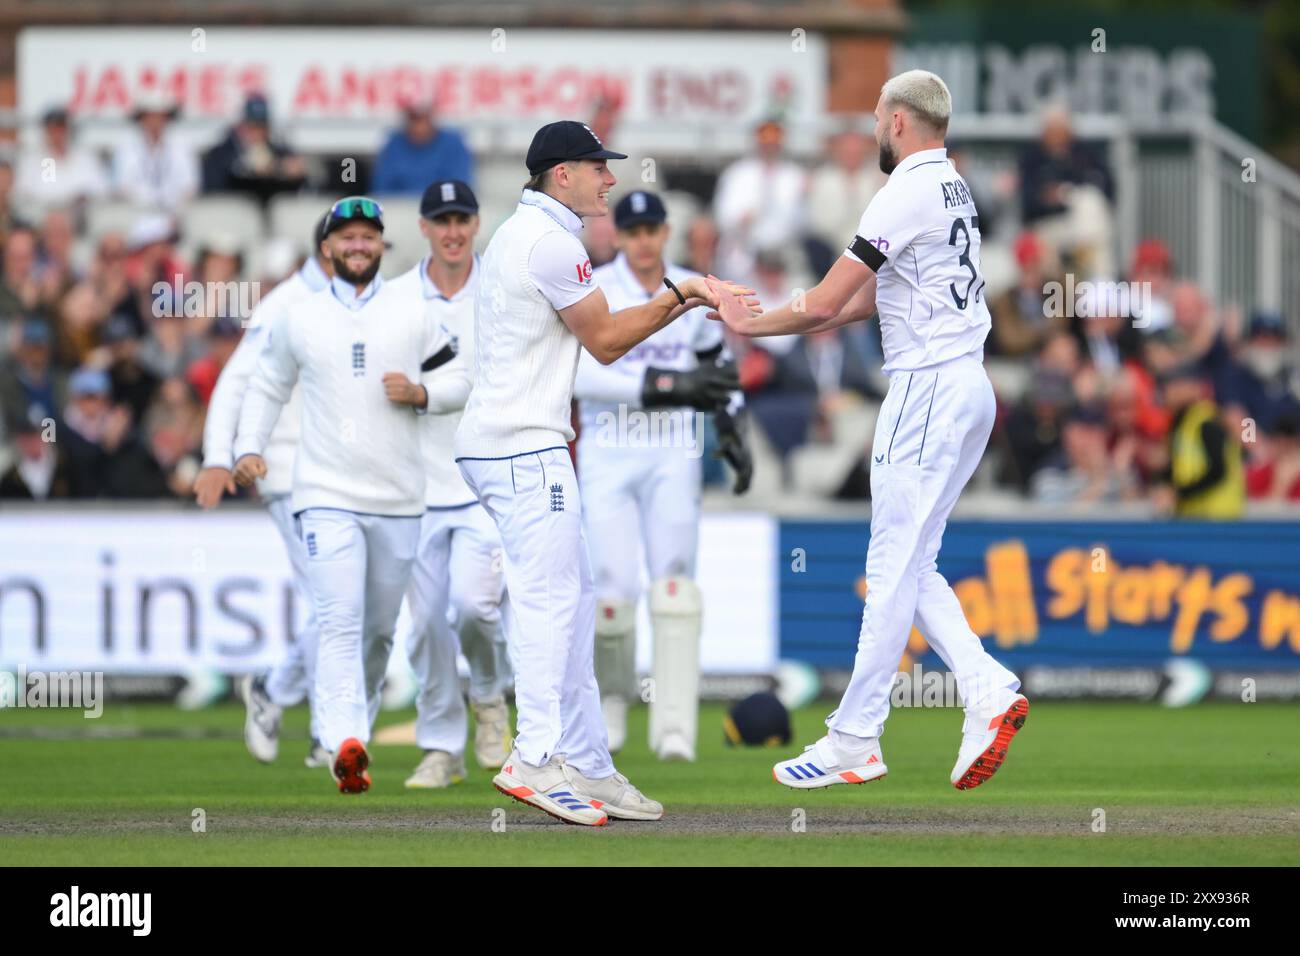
{"points": [[656, 352], [584, 271]]}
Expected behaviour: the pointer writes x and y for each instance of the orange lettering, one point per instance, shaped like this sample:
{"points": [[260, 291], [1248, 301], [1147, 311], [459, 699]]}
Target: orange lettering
{"points": [[1065, 577], [1193, 598], [1279, 618], [1227, 601]]}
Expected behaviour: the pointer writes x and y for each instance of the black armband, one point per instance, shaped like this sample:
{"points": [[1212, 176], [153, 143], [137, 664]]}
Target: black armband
{"points": [[868, 253], [441, 357]]}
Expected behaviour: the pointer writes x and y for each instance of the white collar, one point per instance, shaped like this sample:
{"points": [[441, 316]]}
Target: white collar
{"points": [[346, 292], [921, 157], [431, 291], [557, 210]]}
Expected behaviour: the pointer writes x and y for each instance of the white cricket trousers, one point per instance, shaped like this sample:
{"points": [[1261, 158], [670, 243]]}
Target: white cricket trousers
{"points": [[635, 497], [457, 571], [358, 566], [930, 436], [533, 499], [290, 681]]}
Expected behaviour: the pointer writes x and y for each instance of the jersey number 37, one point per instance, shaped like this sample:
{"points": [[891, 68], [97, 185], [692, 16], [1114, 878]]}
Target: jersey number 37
{"points": [[963, 299]]}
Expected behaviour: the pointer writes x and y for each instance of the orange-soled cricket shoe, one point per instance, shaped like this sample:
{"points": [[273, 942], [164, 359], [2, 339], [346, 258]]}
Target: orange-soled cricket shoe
{"points": [[986, 736], [350, 765]]}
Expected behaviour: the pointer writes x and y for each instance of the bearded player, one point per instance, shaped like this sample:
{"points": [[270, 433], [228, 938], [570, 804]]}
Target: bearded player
{"points": [[915, 260]]}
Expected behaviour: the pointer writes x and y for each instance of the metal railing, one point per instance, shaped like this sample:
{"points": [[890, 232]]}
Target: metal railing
{"points": [[1229, 213]]}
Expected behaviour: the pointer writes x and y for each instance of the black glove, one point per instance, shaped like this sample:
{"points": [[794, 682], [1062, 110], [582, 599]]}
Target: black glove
{"points": [[732, 448], [708, 387]]}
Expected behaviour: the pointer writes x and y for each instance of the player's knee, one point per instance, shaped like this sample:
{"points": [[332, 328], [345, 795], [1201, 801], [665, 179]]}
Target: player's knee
{"points": [[675, 596], [614, 618], [475, 609]]}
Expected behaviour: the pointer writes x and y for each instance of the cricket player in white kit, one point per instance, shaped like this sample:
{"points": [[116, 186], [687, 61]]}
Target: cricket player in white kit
{"points": [[643, 497], [458, 562], [915, 260], [358, 489], [535, 309], [290, 681]]}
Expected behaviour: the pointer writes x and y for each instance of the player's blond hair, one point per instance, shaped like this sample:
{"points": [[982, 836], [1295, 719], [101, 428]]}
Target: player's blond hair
{"points": [[923, 94]]}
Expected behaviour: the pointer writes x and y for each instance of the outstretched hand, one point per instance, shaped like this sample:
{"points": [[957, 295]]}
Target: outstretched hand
{"points": [[733, 305], [702, 290]]}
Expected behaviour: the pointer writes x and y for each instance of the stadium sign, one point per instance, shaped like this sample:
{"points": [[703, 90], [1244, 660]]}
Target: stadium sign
{"points": [[173, 592], [1144, 65], [1077, 596], [342, 88]]}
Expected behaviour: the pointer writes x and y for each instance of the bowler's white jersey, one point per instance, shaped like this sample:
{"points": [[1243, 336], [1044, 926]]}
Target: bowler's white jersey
{"points": [[921, 235]]}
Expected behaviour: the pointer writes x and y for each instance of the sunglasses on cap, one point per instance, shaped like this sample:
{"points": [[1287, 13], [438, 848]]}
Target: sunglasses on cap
{"points": [[355, 207]]}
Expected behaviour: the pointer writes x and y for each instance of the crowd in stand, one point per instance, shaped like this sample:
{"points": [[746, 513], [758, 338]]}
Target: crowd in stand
{"points": [[1159, 396]]}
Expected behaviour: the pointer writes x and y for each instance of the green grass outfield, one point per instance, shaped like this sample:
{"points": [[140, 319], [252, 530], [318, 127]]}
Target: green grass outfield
{"points": [[1217, 784]]}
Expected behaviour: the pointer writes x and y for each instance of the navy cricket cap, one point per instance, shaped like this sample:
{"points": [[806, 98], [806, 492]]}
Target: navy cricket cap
{"points": [[1264, 322], [639, 207], [760, 720], [560, 142], [448, 195]]}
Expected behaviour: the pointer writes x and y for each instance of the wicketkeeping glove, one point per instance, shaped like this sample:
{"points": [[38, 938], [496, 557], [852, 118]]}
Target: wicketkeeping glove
{"points": [[708, 387], [732, 448]]}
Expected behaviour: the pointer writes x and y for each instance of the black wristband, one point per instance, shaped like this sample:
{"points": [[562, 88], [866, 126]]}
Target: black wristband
{"points": [[676, 291]]}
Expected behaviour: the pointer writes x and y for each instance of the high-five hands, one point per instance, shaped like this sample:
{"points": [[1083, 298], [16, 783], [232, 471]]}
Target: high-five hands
{"points": [[705, 290], [733, 305]]}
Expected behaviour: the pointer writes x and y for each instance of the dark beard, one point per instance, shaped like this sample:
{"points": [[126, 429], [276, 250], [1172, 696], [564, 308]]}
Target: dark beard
{"points": [[356, 278], [888, 158]]}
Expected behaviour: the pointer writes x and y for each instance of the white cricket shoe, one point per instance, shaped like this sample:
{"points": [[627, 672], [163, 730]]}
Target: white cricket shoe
{"points": [[613, 708], [438, 769], [548, 789], [491, 733], [261, 719], [615, 795], [674, 746], [822, 765], [317, 756], [986, 734]]}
